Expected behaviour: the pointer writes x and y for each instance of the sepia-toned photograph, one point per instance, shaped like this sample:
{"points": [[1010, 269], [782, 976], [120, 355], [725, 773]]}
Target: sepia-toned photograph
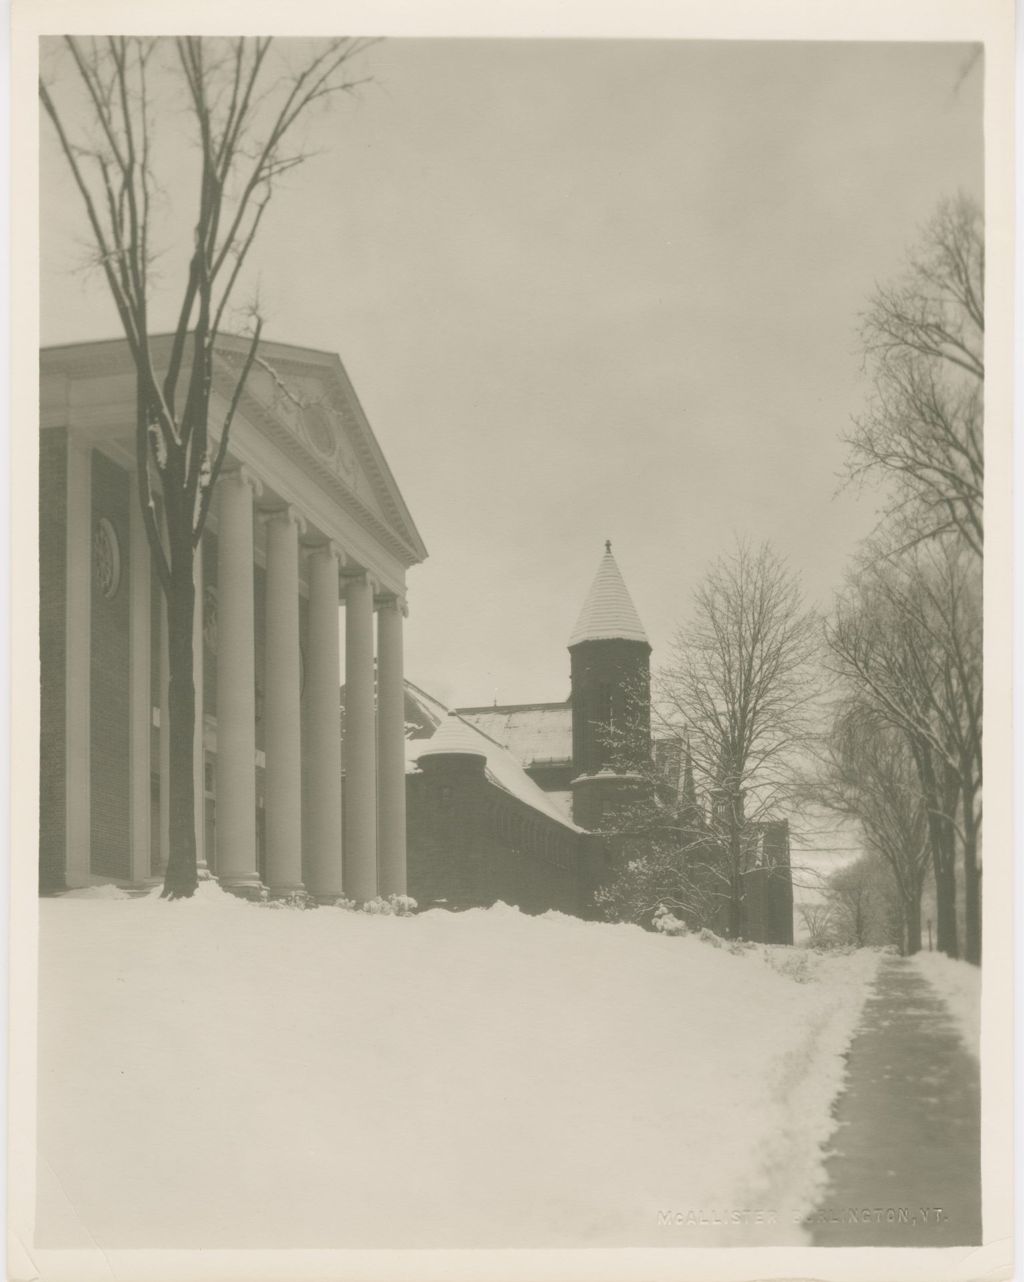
{"points": [[509, 646]]}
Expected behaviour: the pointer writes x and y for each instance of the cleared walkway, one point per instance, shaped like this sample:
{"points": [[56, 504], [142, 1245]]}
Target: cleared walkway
{"points": [[905, 1169]]}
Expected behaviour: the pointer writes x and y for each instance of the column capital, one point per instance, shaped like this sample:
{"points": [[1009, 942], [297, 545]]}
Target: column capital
{"points": [[356, 575], [285, 512], [325, 547], [392, 601], [244, 475]]}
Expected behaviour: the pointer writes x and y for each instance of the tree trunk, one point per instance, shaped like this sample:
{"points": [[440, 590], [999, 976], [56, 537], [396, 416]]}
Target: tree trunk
{"points": [[946, 940], [735, 874], [181, 879], [912, 914], [940, 840], [972, 896]]}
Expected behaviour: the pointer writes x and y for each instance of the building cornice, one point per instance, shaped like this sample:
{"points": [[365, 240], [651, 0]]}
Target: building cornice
{"points": [[392, 525]]}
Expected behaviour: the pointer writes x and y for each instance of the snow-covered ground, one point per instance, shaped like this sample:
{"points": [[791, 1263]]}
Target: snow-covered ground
{"points": [[959, 984], [213, 1073]]}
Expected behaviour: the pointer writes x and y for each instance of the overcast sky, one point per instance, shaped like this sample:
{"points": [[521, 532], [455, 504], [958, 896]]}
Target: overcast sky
{"points": [[592, 290]]}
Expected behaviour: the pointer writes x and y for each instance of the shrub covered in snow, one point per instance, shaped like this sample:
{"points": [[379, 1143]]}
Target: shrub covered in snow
{"points": [[295, 899], [793, 963], [665, 921], [393, 906]]}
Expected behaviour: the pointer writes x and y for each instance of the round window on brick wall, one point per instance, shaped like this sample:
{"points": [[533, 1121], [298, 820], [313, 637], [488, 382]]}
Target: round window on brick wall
{"points": [[106, 558]]}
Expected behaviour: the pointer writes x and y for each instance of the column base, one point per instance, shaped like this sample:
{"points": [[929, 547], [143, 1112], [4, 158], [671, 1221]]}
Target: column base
{"points": [[286, 892], [243, 887]]}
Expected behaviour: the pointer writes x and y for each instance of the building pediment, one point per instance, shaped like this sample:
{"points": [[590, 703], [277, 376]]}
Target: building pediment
{"points": [[304, 399], [298, 398]]}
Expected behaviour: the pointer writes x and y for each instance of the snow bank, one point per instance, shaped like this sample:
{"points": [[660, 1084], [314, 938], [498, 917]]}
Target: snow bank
{"points": [[958, 983], [105, 891], [213, 1074]]}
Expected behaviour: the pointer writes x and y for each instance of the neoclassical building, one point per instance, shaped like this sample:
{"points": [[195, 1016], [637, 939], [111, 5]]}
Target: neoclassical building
{"points": [[307, 518]]}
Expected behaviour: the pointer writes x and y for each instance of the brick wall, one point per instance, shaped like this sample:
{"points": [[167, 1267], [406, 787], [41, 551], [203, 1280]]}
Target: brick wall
{"points": [[52, 584], [611, 683], [471, 844], [778, 894], [109, 751]]}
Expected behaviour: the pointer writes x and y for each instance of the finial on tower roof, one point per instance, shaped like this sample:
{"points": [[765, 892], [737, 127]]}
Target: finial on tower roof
{"points": [[608, 612]]}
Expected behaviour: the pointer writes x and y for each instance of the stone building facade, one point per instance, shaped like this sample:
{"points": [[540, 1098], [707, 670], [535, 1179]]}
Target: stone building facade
{"points": [[307, 518]]}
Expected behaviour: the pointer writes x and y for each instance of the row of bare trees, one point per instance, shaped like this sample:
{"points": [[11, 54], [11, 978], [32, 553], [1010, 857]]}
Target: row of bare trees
{"points": [[904, 642], [745, 692]]}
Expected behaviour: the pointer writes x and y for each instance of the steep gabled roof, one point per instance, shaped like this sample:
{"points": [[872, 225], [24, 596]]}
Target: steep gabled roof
{"points": [[608, 612]]}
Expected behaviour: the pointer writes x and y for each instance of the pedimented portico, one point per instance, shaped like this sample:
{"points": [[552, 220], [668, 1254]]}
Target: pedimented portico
{"points": [[307, 518]]}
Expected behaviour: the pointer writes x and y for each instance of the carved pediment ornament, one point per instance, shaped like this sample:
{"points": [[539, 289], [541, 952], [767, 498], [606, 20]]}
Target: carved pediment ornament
{"points": [[282, 402]]}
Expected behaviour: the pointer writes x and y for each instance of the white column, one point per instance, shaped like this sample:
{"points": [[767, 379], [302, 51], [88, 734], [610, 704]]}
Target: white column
{"points": [[360, 840], [140, 700], [282, 714], [236, 683], [198, 753], [164, 853], [78, 660], [391, 748], [321, 749]]}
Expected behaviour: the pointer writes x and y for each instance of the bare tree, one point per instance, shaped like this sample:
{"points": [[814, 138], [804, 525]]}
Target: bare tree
{"points": [[906, 640], [818, 922], [861, 901], [739, 689], [923, 339], [243, 99], [866, 772]]}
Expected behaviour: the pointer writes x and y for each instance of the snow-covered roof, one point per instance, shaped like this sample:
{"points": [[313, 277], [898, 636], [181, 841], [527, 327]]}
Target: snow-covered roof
{"points": [[501, 768], [453, 736], [423, 713], [532, 732], [608, 612], [562, 798]]}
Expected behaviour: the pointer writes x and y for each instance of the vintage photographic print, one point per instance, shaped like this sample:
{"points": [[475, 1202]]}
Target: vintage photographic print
{"points": [[505, 637]]}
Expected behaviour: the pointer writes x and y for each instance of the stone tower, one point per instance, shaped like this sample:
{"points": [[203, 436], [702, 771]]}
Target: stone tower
{"points": [[611, 700]]}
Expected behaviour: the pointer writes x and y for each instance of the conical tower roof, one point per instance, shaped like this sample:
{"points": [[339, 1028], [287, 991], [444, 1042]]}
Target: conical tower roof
{"points": [[454, 735], [608, 612]]}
